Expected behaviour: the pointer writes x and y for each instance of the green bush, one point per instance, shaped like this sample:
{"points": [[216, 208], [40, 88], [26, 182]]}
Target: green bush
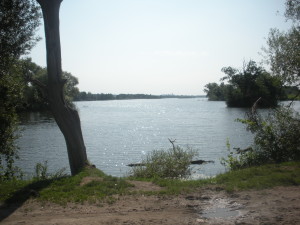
{"points": [[276, 139], [173, 163]]}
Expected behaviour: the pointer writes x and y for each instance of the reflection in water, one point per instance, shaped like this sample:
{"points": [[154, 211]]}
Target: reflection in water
{"points": [[27, 118], [220, 213], [221, 209], [118, 133]]}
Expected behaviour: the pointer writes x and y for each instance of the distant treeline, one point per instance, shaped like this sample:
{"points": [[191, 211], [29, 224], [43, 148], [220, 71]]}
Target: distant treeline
{"points": [[88, 96]]}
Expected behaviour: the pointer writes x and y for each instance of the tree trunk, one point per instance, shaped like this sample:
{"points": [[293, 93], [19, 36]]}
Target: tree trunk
{"points": [[66, 118]]}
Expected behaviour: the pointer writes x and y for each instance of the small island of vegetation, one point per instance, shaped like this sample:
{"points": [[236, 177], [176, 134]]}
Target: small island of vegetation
{"points": [[245, 87]]}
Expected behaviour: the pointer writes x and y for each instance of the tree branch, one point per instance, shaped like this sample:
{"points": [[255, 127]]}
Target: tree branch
{"points": [[172, 142], [37, 83]]}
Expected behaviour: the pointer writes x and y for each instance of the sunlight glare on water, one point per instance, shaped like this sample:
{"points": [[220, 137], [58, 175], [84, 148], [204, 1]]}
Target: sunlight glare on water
{"points": [[118, 133]]}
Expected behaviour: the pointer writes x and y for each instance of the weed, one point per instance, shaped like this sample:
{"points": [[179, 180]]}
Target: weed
{"points": [[41, 172]]}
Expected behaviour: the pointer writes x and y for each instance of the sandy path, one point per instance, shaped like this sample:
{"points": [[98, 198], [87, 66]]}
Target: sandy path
{"points": [[280, 205]]}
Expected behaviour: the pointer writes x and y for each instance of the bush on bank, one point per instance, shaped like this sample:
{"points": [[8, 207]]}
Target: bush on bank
{"points": [[172, 163], [276, 139]]}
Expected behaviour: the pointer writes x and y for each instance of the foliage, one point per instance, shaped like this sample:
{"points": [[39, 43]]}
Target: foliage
{"points": [[246, 86], [172, 163], [17, 94], [250, 84], [284, 54], [88, 96], [216, 92], [283, 50], [70, 89], [276, 139], [245, 158], [277, 134], [291, 93], [136, 96], [34, 97], [18, 22], [292, 11], [83, 96], [11, 88]]}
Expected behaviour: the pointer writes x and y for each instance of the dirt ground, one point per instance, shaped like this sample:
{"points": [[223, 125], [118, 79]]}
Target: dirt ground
{"points": [[280, 205]]}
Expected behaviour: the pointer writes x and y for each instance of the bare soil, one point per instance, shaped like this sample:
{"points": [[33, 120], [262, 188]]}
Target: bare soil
{"points": [[280, 205]]}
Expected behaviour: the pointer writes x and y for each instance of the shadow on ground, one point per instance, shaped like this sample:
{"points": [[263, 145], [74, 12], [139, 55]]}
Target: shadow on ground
{"points": [[21, 196]]}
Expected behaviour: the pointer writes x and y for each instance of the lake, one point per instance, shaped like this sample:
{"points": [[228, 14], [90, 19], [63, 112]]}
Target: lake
{"points": [[118, 133]]}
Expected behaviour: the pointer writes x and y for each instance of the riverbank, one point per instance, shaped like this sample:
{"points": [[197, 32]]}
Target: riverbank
{"points": [[263, 195], [279, 205]]}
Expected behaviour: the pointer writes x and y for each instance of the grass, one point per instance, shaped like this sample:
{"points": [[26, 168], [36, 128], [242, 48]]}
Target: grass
{"points": [[66, 189], [260, 177], [104, 188]]}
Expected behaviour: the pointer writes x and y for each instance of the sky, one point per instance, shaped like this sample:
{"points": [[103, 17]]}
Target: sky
{"points": [[160, 46]]}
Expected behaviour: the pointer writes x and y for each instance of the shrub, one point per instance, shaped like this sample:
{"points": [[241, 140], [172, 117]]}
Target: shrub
{"points": [[276, 139], [173, 163]]}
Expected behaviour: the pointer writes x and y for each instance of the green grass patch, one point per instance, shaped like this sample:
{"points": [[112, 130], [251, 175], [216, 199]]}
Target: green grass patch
{"points": [[261, 177], [102, 188], [176, 186], [66, 189], [9, 188]]}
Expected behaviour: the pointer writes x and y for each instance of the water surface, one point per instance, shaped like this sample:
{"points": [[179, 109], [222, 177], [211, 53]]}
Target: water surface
{"points": [[117, 133]]}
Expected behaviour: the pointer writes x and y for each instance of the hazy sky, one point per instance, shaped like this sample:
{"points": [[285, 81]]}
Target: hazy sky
{"points": [[160, 46]]}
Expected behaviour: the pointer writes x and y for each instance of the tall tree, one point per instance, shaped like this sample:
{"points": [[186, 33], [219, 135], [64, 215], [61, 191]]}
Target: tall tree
{"points": [[247, 86], [35, 98], [19, 20], [216, 92], [283, 50], [292, 11], [66, 117]]}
